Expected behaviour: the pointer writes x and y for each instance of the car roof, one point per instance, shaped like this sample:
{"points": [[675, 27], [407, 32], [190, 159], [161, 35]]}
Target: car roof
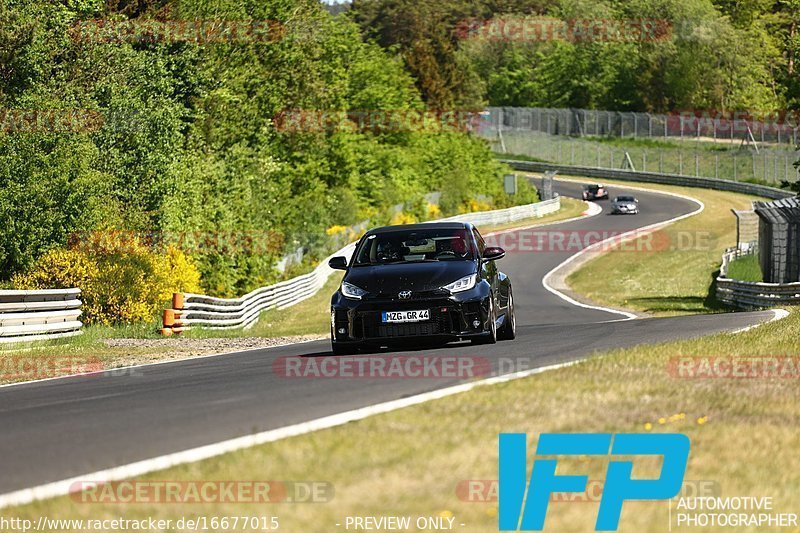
{"points": [[419, 227]]}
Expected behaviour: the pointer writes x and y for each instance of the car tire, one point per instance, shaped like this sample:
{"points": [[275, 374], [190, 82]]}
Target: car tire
{"points": [[509, 330], [491, 338]]}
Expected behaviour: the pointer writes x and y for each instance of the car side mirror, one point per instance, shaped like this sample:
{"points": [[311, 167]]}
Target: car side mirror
{"points": [[338, 263], [493, 253]]}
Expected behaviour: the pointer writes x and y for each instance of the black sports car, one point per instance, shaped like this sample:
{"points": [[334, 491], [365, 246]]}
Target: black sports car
{"points": [[421, 282], [595, 192]]}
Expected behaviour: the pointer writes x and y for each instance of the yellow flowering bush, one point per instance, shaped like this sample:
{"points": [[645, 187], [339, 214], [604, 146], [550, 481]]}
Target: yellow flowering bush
{"points": [[401, 217], [335, 230], [473, 206], [63, 269], [121, 279], [433, 211], [181, 271]]}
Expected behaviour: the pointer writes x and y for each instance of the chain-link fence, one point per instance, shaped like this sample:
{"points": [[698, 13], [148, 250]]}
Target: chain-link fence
{"points": [[771, 167], [738, 149], [777, 128]]}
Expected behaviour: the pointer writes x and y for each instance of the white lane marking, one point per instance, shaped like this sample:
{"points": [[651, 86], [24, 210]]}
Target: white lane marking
{"points": [[618, 239], [63, 487], [777, 314]]}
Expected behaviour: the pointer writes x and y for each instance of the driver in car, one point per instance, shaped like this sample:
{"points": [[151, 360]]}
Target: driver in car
{"points": [[389, 251]]}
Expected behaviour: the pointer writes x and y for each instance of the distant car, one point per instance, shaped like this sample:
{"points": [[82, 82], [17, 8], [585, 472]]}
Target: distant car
{"points": [[625, 205], [595, 192], [421, 282]]}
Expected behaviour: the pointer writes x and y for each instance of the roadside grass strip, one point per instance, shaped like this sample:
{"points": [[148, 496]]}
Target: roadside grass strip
{"points": [[677, 276]]}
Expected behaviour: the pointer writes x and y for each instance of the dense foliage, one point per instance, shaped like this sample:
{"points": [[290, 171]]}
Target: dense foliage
{"points": [[185, 141], [722, 55]]}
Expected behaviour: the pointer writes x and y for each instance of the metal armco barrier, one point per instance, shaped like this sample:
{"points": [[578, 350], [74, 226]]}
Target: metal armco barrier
{"points": [[652, 177], [750, 294], [506, 216], [27, 316], [198, 310]]}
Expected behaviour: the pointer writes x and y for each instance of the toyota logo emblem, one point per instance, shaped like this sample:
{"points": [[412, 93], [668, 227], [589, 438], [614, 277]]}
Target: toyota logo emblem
{"points": [[404, 295]]}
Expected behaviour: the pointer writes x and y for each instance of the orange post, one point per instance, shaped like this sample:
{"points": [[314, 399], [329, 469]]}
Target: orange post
{"points": [[169, 318]]}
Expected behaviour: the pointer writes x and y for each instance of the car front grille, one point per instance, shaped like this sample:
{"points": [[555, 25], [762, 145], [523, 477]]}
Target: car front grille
{"points": [[406, 330], [369, 326]]}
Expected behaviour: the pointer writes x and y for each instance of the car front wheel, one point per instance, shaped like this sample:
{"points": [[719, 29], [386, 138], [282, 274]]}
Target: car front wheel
{"points": [[509, 330], [491, 338]]}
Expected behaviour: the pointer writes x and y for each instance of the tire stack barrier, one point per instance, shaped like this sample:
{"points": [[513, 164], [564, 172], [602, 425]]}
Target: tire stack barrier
{"points": [[751, 294]]}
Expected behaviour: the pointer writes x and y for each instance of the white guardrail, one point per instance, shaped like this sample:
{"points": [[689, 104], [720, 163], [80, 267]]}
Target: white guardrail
{"points": [[751, 294], [198, 310], [27, 316]]}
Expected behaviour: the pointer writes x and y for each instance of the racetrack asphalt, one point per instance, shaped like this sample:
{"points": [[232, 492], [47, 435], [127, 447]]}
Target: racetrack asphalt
{"points": [[63, 428]]}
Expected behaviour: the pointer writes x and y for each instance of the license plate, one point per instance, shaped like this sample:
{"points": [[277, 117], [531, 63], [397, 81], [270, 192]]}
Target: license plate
{"points": [[405, 316]]}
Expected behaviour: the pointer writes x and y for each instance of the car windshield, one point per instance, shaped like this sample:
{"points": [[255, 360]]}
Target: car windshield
{"points": [[393, 247], [625, 199], [593, 188]]}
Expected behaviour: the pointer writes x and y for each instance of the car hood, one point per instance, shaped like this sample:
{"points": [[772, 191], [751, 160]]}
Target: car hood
{"points": [[391, 279], [629, 205]]}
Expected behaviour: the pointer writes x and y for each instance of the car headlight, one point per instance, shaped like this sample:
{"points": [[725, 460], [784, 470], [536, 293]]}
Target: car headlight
{"points": [[463, 284], [351, 291]]}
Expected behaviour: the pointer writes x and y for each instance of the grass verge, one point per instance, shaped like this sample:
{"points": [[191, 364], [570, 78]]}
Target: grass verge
{"points": [[675, 273], [745, 268], [411, 461]]}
